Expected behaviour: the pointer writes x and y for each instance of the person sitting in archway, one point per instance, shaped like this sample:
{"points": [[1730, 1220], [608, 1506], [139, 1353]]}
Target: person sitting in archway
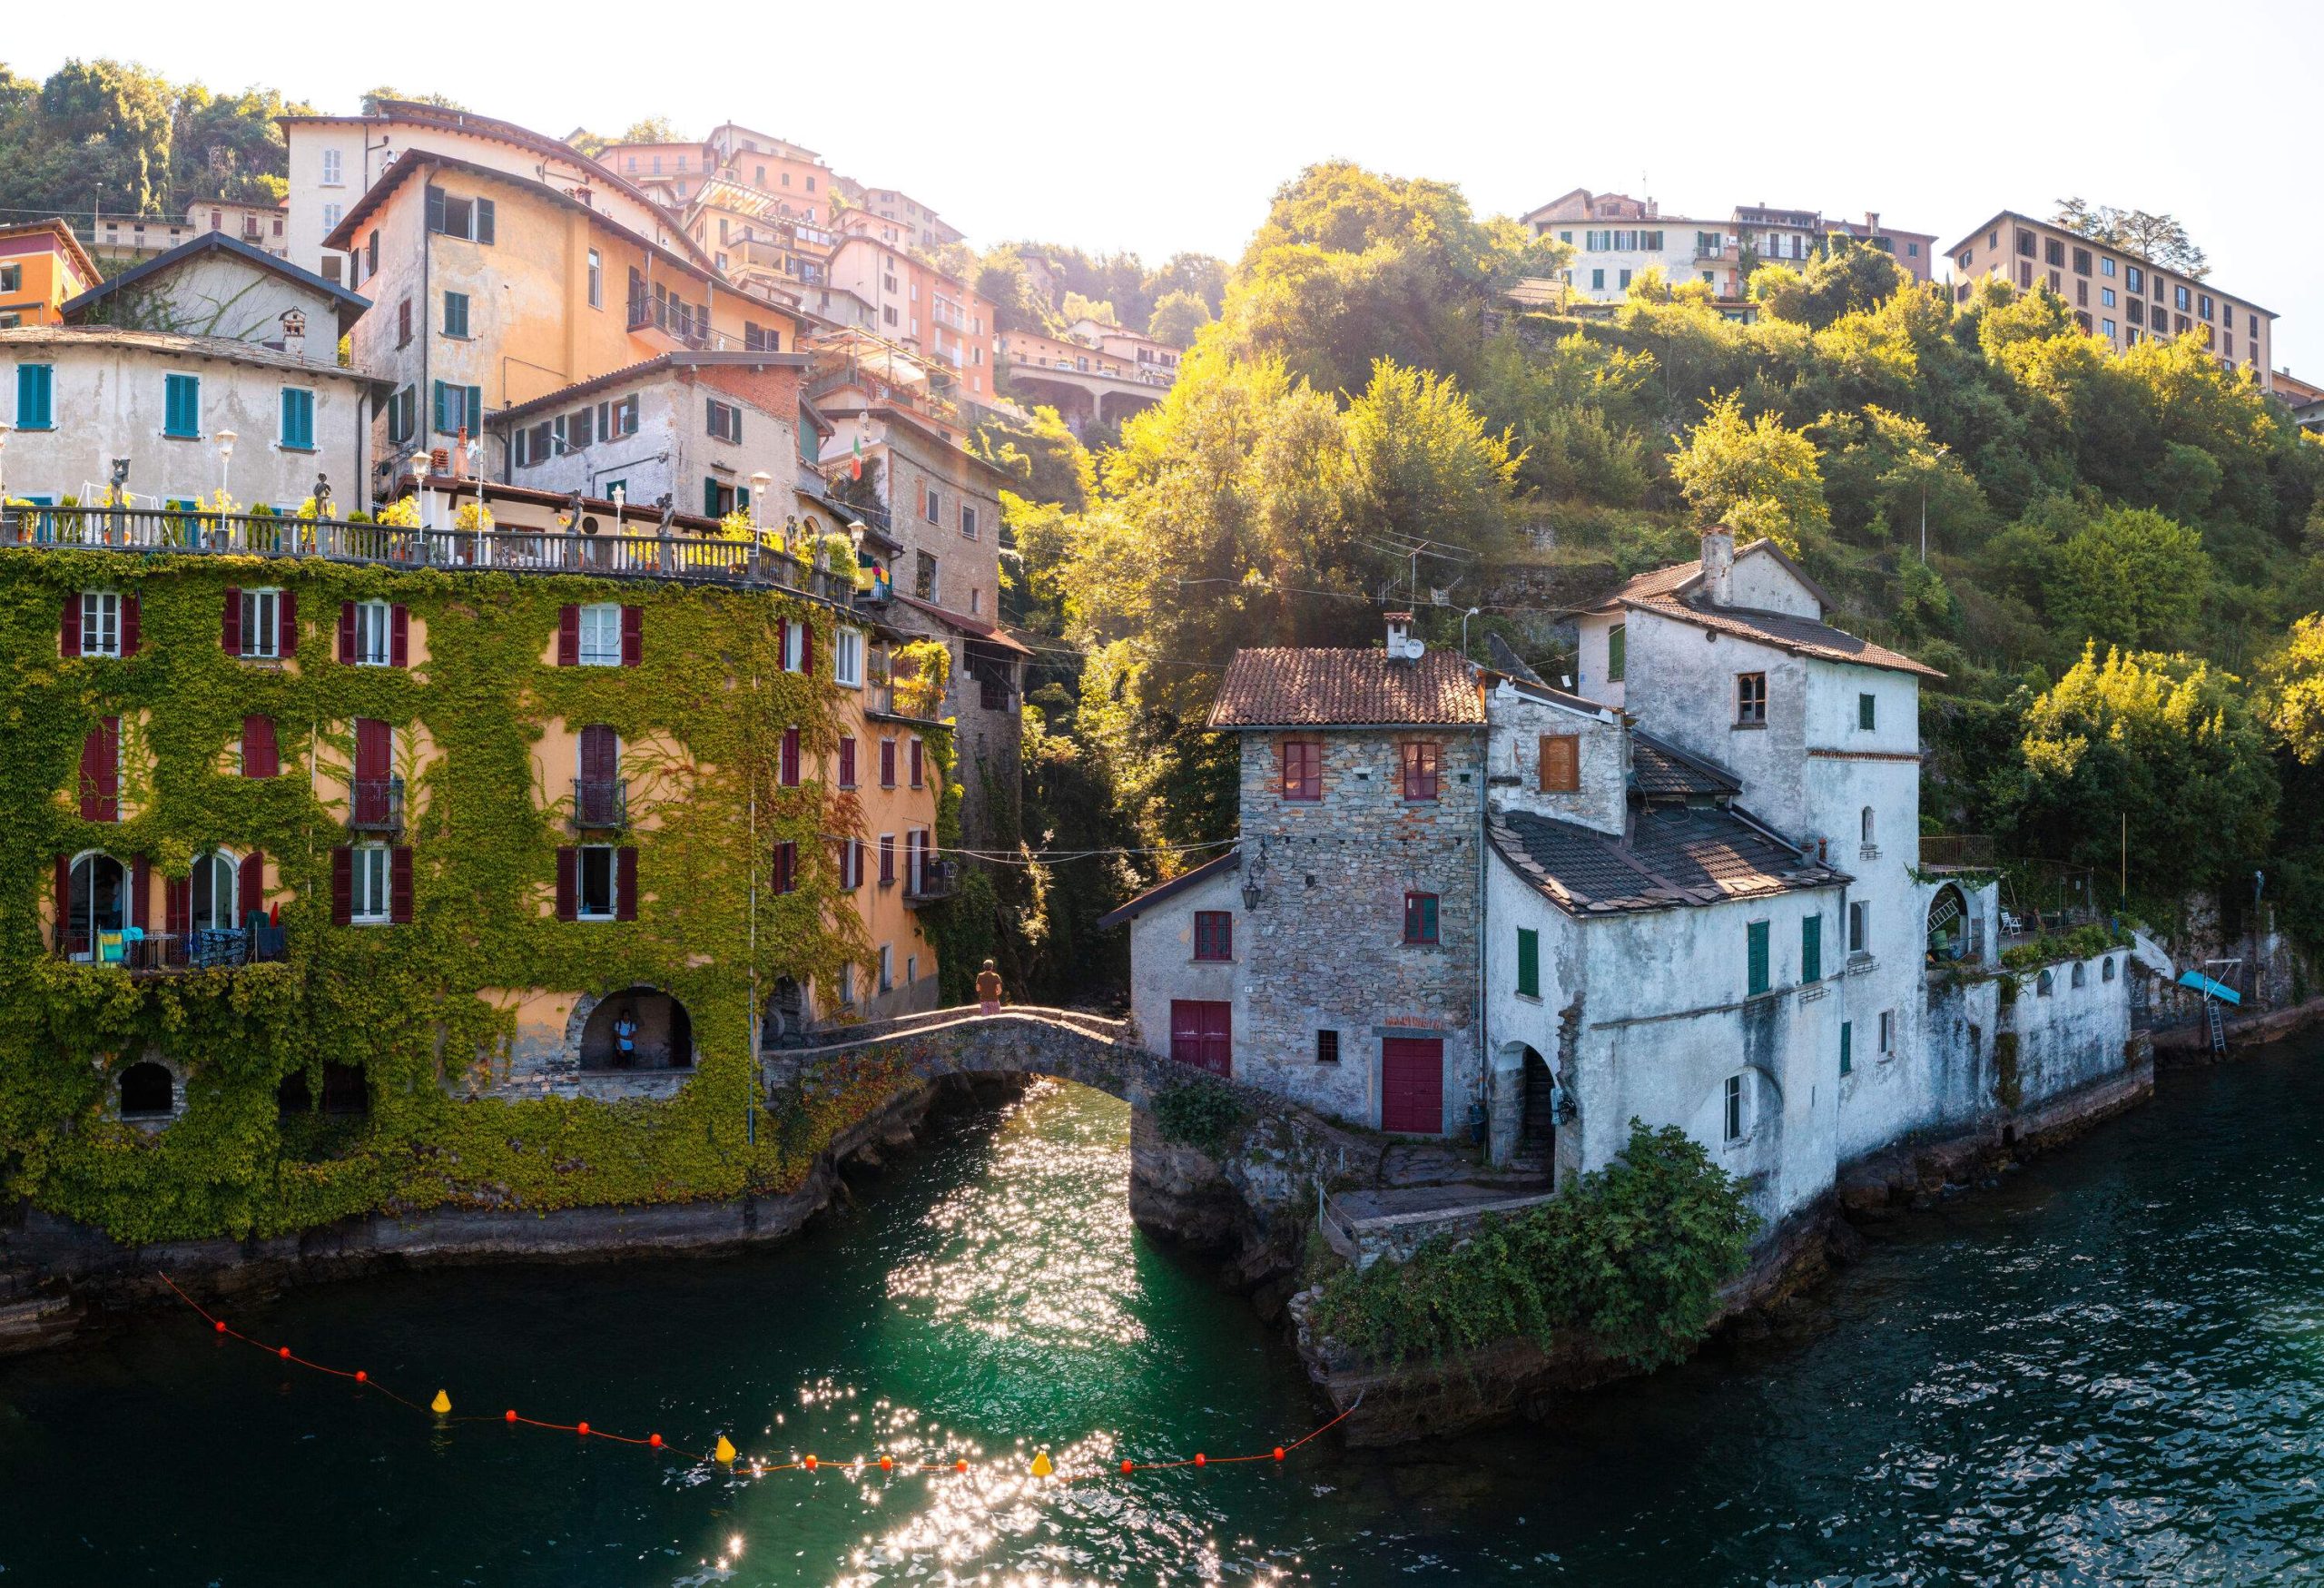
{"points": [[626, 1038], [989, 988]]}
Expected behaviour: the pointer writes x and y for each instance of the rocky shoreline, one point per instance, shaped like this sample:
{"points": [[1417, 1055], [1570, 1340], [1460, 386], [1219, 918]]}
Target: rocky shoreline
{"points": [[58, 1278]]}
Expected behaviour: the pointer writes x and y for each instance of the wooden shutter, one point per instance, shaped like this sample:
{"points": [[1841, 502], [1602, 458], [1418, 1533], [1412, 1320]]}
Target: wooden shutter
{"points": [[371, 747], [1755, 950], [782, 643], [230, 633], [177, 905], [141, 883], [347, 633], [101, 772], [399, 635], [69, 631], [1561, 755], [484, 224], [286, 638], [625, 882], [790, 768], [435, 208], [343, 885], [918, 769], [569, 883], [633, 635], [1529, 962], [250, 893], [600, 752], [399, 884], [887, 763], [133, 625], [1811, 948], [260, 758], [569, 635], [442, 413], [806, 648], [847, 762]]}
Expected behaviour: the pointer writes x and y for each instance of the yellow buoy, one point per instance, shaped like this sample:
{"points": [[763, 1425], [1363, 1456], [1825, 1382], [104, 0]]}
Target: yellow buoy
{"points": [[725, 1449], [1041, 1468], [442, 1402]]}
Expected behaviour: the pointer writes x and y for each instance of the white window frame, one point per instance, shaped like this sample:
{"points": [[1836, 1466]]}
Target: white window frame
{"points": [[100, 623], [847, 658], [263, 623], [887, 968], [1859, 928], [598, 617], [795, 647], [967, 520], [371, 886], [334, 169], [1887, 1034], [374, 634], [1733, 1125], [597, 279], [234, 867], [612, 862]]}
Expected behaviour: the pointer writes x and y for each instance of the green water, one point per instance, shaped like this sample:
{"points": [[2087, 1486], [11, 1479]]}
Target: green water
{"points": [[2110, 1367]]}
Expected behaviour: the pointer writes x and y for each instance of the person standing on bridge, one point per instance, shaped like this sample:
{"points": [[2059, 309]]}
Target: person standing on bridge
{"points": [[989, 988]]}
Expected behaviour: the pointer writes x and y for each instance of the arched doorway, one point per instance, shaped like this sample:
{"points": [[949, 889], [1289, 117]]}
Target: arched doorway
{"points": [[148, 1090], [213, 890], [96, 901], [1948, 925], [638, 1028], [1537, 1134], [785, 1019]]}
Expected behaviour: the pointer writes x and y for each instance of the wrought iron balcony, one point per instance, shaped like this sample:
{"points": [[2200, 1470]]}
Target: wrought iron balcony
{"points": [[153, 954], [375, 805], [600, 802], [930, 882]]}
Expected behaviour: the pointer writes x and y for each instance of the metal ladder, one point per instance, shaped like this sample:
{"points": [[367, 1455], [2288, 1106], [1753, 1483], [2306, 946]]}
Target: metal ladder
{"points": [[2218, 1025]]}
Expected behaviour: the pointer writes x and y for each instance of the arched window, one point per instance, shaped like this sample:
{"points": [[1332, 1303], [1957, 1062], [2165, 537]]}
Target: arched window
{"points": [[1867, 826], [96, 901], [214, 891], [2080, 974], [2044, 983], [2106, 969], [639, 1028], [147, 1089]]}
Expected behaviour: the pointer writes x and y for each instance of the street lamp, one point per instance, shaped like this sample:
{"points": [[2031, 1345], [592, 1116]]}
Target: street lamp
{"points": [[226, 439], [1941, 451], [759, 482]]}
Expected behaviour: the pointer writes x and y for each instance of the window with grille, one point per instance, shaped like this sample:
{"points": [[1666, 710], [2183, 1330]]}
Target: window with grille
{"points": [[1419, 918], [1751, 699], [1214, 934], [601, 635], [371, 903], [1303, 770], [1422, 769]]}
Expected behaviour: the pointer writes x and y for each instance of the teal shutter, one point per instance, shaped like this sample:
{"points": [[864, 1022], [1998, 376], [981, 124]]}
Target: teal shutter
{"points": [[441, 389], [1811, 949], [1865, 706], [1528, 963], [473, 415], [298, 419], [710, 497], [741, 499], [1847, 1035], [1617, 653], [181, 405], [1756, 934], [35, 389]]}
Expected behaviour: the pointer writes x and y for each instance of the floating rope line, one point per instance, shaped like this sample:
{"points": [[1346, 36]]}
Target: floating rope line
{"points": [[724, 1453]]}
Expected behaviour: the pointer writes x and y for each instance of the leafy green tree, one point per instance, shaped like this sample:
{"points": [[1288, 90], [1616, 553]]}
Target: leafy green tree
{"points": [[1077, 307], [1178, 317], [1198, 273], [1847, 277], [2294, 698], [2160, 238], [652, 130], [1756, 476], [2166, 742], [2129, 577], [374, 97], [1001, 280]]}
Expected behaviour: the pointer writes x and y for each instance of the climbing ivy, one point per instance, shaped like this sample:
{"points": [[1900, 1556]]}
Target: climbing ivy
{"points": [[413, 1006], [1631, 1258]]}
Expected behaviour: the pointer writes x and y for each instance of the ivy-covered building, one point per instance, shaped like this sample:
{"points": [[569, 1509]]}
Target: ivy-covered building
{"points": [[356, 867]]}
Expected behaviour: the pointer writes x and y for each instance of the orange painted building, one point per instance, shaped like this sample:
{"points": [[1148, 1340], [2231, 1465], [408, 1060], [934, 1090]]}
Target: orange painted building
{"points": [[41, 264], [919, 306]]}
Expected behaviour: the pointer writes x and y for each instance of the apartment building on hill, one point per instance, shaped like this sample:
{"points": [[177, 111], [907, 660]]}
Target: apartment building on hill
{"points": [[1616, 237]]}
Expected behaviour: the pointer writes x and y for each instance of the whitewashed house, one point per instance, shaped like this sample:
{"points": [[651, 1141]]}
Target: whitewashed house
{"points": [[1701, 901]]}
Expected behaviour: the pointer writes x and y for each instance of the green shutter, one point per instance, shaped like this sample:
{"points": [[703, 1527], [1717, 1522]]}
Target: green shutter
{"points": [[182, 406], [438, 401], [473, 414], [35, 389], [1847, 1035], [710, 497], [1618, 652], [1528, 963], [1811, 949], [1865, 706], [1756, 934]]}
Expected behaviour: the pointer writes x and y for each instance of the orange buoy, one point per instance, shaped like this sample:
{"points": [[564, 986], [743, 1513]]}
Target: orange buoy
{"points": [[1278, 1453], [582, 1429], [887, 1463], [1127, 1464], [811, 1464], [960, 1466], [510, 1415], [654, 1440], [362, 1376], [220, 1325], [1200, 1459], [284, 1353], [723, 1450]]}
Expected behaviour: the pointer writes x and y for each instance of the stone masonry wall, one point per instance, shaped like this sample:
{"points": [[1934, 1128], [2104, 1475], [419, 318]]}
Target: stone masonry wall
{"points": [[1325, 947]]}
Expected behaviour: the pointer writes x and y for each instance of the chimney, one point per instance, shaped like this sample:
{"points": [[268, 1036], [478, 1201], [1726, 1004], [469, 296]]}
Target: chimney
{"points": [[1872, 222], [1402, 645], [1719, 564]]}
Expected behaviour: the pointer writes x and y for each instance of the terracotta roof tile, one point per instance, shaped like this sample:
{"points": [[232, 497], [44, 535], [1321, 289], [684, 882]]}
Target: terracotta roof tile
{"points": [[1287, 687]]}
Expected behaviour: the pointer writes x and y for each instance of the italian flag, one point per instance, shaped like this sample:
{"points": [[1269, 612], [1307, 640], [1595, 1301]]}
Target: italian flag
{"points": [[855, 459]]}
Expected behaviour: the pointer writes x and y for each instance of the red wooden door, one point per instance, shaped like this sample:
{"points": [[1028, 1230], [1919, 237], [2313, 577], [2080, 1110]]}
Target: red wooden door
{"points": [[1202, 1033], [1412, 1085]]}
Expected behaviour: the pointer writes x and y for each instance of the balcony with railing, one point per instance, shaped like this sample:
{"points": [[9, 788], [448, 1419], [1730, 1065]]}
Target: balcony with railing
{"points": [[600, 804], [160, 954], [375, 805], [683, 323], [930, 880], [678, 557]]}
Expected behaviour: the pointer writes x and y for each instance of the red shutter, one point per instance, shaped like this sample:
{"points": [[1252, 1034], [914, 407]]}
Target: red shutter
{"points": [[177, 905], [371, 742], [133, 629], [64, 898], [918, 771], [347, 633], [399, 884], [101, 772], [69, 632], [568, 636], [806, 648], [887, 763], [260, 758], [633, 635], [600, 753], [343, 885], [786, 866], [230, 635], [141, 883], [789, 758], [625, 883], [286, 637], [249, 893], [847, 762], [782, 643], [399, 635], [569, 883]]}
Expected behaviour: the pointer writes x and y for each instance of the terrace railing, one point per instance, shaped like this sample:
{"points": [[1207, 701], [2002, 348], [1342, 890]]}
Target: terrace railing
{"points": [[600, 802], [512, 550]]}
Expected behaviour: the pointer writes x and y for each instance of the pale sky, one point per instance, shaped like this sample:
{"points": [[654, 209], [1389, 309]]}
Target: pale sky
{"points": [[1167, 126]]}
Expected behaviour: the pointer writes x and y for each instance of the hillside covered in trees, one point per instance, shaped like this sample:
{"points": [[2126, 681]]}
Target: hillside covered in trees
{"points": [[2119, 551]]}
